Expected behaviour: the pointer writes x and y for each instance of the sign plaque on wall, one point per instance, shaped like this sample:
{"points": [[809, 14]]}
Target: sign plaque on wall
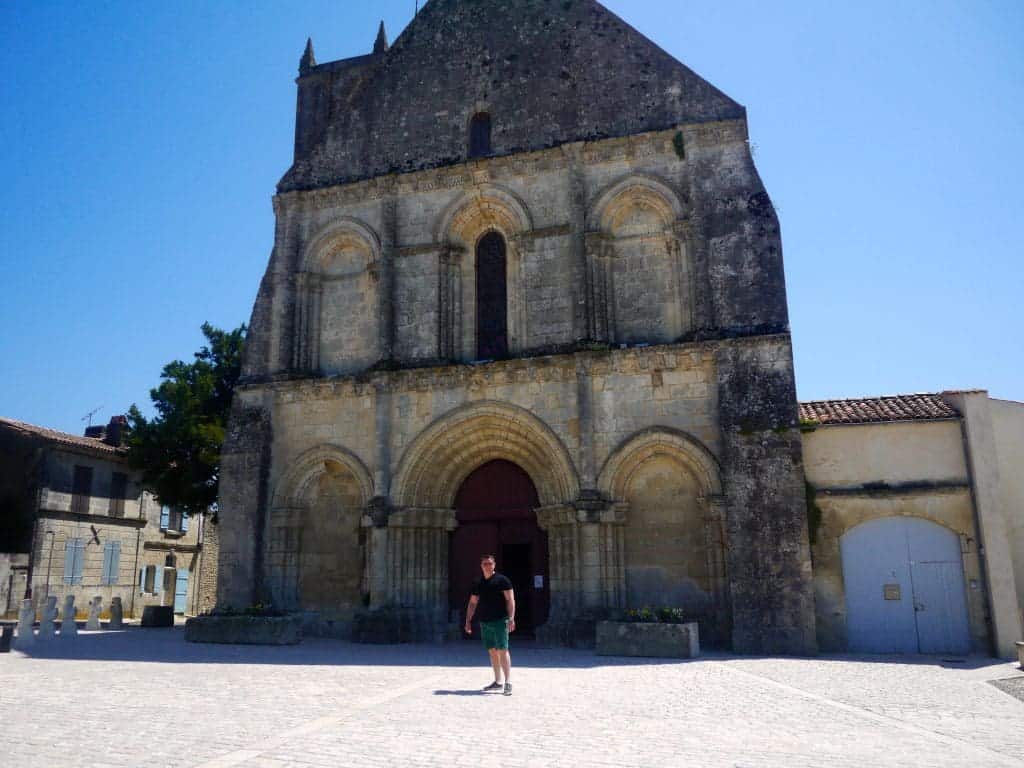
{"points": [[891, 591]]}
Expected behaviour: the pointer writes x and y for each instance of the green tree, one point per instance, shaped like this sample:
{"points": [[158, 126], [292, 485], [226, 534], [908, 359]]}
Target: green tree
{"points": [[178, 451]]}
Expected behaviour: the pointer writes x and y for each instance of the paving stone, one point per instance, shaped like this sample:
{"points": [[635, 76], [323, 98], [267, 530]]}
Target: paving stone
{"points": [[158, 701]]}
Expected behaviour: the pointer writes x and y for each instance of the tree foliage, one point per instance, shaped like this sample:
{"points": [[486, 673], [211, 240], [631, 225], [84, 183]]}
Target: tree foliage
{"points": [[178, 451]]}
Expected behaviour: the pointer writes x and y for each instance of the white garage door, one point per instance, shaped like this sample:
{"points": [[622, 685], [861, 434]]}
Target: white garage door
{"points": [[904, 585]]}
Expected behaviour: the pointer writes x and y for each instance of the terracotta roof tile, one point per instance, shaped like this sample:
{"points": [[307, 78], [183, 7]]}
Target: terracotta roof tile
{"points": [[63, 438], [866, 410]]}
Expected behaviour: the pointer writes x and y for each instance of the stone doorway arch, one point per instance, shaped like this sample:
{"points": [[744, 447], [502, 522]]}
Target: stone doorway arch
{"points": [[496, 512]]}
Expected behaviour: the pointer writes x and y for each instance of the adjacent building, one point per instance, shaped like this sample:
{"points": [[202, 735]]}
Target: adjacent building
{"points": [[75, 519], [916, 510]]}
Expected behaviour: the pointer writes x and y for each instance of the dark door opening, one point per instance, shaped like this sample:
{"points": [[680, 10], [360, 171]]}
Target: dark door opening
{"points": [[517, 564], [495, 509]]}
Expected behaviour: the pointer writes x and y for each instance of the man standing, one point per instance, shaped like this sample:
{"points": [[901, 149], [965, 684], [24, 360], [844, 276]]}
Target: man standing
{"points": [[493, 593]]}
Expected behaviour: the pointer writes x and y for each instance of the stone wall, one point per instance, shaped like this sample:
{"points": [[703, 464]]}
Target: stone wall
{"points": [[638, 426], [1008, 427], [547, 73], [13, 576], [649, 395], [206, 584]]}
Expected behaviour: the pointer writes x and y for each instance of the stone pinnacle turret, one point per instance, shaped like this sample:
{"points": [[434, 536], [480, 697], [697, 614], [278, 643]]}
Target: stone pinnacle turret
{"points": [[381, 43], [308, 60]]}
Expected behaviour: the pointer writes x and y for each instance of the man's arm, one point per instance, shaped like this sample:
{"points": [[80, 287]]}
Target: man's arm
{"points": [[510, 606], [470, 610]]}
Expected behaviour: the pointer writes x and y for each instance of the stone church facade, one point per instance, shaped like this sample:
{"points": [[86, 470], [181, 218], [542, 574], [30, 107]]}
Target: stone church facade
{"points": [[526, 297]]}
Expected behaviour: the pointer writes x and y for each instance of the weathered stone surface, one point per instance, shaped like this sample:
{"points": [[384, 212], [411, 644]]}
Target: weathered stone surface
{"points": [[387, 625], [549, 73], [245, 630], [26, 633], [93, 622], [68, 627], [47, 622], [624, 638], [158, 616], [116, 614]]}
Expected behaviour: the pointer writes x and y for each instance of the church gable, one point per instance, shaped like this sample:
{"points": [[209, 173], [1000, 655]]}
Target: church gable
{"points": [[542, 73]]}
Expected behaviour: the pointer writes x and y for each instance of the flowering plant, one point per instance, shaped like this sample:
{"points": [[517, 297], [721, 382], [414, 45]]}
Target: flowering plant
{"points": [[661, 615]]}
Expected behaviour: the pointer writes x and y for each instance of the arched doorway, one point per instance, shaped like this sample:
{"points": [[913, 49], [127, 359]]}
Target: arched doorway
{"points": [[904, 583], [495, 508]]}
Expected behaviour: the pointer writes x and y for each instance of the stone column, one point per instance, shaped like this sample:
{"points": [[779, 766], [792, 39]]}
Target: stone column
{"points": [[389, 247], [418, 552], [598, 257], [300, 323], [244, 492], [449, 335], [376, 574], [581, 280], [770, 574], [718, 572], [564, 576], [314, 293]]}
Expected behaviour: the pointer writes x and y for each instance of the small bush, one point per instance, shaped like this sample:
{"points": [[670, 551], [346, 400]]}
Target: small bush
{"points": [[661, 615]]}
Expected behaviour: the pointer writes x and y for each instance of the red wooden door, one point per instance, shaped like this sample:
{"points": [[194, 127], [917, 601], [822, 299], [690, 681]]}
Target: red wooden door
{"points": [[495, 509]]}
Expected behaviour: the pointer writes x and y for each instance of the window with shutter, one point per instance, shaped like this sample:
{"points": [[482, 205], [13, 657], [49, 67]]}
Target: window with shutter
{"points": [[118, 492], [81, 490], [111, 561], [184, 522], [69, 561], [79, 561], [165, 517], [149, 580]]}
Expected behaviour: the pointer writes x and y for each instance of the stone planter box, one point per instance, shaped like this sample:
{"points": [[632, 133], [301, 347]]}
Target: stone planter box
{"points": [[627, 638], [1020, 654], [245, 630], [158, 616]]}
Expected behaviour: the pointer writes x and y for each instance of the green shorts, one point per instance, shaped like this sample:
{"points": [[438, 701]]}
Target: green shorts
{"points": [[495, 634]]}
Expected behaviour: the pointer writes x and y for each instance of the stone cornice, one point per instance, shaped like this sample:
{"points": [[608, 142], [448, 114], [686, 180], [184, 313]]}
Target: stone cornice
{"points": [[476, 172]]}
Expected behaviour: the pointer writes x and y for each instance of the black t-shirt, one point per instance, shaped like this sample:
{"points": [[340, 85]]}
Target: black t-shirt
{"points": [[492, 597]]}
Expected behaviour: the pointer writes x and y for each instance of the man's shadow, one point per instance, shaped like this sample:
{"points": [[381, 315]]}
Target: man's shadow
{"points": [[460, 693]]}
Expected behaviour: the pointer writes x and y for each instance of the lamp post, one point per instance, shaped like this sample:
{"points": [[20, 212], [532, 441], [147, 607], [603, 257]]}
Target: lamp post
{"points": [[49, 562]]}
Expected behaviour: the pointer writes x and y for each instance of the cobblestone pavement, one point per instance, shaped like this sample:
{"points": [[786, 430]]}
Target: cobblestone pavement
{"points": [[146, 698]]}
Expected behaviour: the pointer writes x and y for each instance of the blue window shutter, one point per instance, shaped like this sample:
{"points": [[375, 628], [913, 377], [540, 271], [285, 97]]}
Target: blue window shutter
{"points": [[79, 560], [165, 517], [142, 581], [158, 580], [107, 554], [184, 522], [69, 561], [115, 562]]}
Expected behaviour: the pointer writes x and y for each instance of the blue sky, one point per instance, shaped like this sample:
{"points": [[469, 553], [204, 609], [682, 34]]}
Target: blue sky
{"points": [[141, 143]]}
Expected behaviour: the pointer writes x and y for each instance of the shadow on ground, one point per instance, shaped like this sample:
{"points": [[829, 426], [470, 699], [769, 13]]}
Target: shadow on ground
{"points": [[168, 646]]}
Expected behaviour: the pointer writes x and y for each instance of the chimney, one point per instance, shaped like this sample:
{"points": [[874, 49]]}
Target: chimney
{"points": [[117, 430]]}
